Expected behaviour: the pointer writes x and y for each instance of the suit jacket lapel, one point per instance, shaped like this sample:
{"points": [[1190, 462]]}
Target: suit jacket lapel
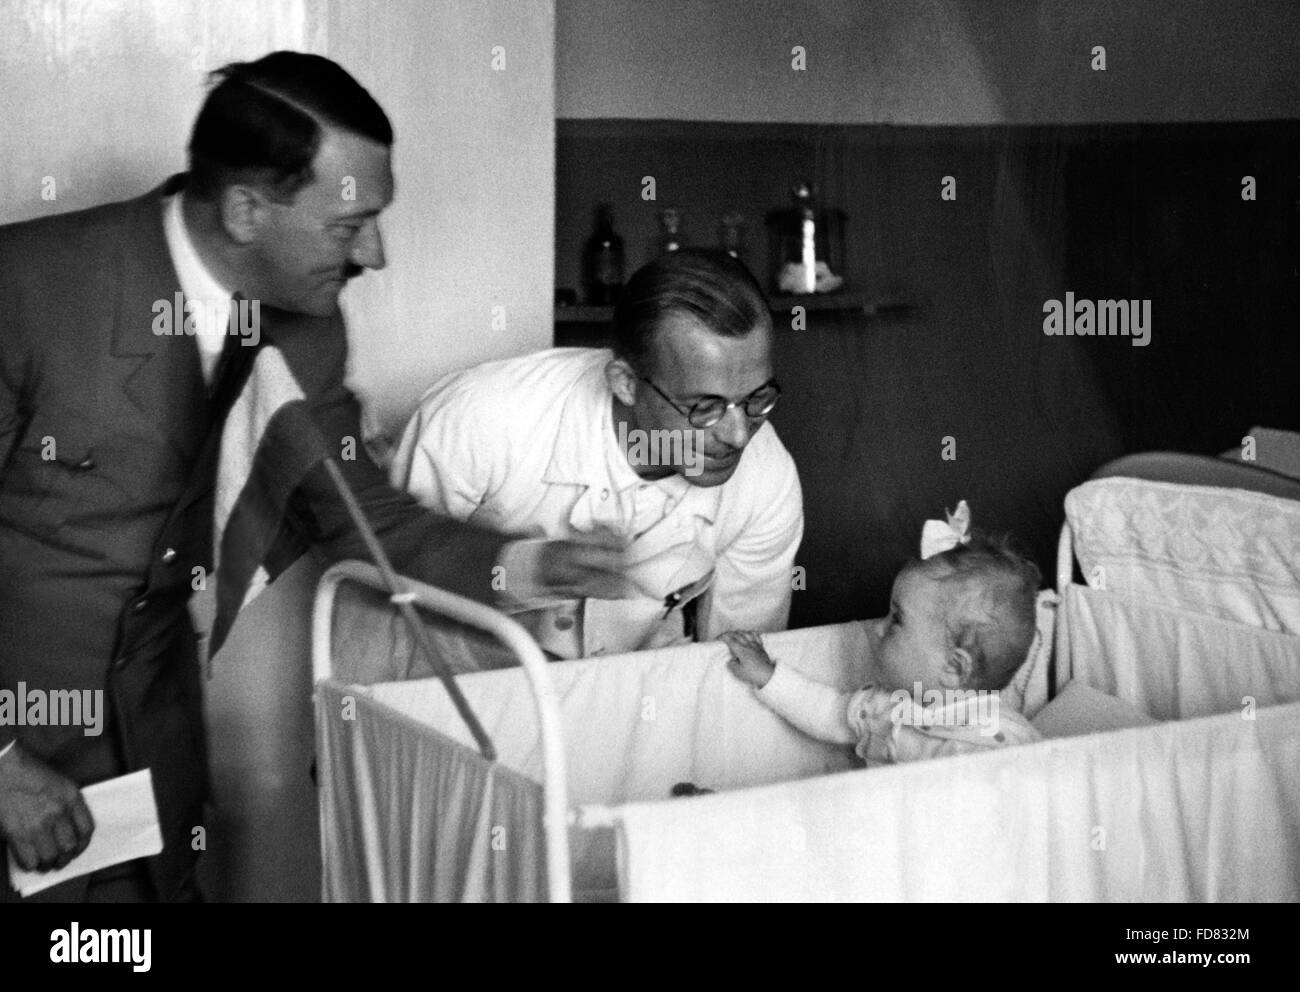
{"points": [[160, 374]]}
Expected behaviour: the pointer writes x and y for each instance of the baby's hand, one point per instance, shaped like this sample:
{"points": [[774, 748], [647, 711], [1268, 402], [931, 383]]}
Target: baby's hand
{"points": [[749, 662]]}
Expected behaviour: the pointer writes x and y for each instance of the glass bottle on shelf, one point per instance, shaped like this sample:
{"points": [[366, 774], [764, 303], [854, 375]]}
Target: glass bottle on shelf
{"points": [[602, 260], [731, 234], [671, 235]]}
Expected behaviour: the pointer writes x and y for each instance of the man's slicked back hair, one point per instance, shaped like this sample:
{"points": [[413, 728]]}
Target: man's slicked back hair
{"points": [[704, 283], [261, 122]]}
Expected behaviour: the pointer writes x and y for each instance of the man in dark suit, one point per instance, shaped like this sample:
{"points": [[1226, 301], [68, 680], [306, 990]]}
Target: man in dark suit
{"points": [[110, 428]]}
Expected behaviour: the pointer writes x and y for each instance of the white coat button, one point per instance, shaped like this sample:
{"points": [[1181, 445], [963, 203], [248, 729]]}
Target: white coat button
{"points": [[604, 495]]}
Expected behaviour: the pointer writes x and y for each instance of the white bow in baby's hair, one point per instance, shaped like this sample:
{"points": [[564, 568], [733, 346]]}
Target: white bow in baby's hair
{"points": [[938, 536]]}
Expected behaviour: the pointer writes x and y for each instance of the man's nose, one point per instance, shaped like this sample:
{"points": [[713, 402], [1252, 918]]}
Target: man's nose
{"points": [[734, 428], [368, 249]]}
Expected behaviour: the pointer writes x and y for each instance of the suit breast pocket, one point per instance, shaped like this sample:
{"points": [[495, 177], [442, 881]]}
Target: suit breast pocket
{"points": [[45, 469], [73, 469]]}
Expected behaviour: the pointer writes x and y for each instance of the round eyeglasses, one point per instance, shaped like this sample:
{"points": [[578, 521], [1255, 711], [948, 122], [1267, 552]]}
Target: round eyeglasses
{"points": [[708, 410]]}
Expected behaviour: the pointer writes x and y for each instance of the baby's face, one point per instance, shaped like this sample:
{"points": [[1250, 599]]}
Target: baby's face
{"points": [[913, 638]]}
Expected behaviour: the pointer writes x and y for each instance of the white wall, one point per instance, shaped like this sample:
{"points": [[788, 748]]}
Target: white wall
{"points": [[928, 61], [101, 95]]}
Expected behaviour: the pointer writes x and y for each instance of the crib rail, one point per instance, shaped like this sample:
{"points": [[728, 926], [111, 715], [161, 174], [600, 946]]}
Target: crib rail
{"points": [[1058, 671], [518, 642]]}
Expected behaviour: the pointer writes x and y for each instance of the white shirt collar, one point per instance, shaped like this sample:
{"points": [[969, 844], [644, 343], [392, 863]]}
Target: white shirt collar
{"points": [[211, 310]]}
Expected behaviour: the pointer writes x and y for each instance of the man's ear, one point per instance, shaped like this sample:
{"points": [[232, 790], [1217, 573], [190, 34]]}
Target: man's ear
{"points": [[623, 381], [243, 213], [958, 669]]}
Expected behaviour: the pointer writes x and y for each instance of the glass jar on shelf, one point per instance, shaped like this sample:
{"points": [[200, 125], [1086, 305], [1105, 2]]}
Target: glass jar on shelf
{"points": [[805, 245]]}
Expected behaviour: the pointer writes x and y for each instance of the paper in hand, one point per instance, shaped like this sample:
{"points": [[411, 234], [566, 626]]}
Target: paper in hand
{"points": [[126, 828]]}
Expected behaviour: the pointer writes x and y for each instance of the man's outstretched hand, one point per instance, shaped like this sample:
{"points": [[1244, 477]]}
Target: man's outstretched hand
{"points": [[43, 816], [536, 571]]}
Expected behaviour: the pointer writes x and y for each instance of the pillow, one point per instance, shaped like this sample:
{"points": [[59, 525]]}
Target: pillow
{"points": [[1026, 693], [1081, 709], [1226, 553]]}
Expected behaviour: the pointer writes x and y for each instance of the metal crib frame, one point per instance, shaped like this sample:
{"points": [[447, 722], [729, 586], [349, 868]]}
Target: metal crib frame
{"points": [[555, 814]]}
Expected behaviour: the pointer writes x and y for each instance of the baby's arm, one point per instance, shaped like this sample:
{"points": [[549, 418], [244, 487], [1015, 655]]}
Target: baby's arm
{"points": [[914, 745], [896, 734], [818, 710]]}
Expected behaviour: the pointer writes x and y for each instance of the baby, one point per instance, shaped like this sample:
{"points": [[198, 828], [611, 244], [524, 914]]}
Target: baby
{"points": [[961, 622]]}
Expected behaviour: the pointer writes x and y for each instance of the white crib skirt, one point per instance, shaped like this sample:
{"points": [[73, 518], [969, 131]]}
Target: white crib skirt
{"points": [[413, 816]]}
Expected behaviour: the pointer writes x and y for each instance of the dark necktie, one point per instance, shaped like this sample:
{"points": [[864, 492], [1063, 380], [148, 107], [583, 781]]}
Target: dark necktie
{"points": [[236, 358]]}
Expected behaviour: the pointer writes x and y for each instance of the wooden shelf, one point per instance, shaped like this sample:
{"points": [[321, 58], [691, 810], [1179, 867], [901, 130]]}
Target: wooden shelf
{"points": [[862, 303]]}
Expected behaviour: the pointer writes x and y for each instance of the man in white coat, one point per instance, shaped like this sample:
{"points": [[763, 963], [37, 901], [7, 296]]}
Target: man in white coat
{"points": [[661, 446]]}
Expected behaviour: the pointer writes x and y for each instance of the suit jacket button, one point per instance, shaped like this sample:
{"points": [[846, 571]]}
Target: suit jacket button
{"points": [[140, 605], [169, 556], [86, 464], [119, 663]]}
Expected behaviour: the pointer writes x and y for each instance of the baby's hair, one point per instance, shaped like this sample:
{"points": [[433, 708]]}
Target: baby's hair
{"points": [[992, 609]]}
